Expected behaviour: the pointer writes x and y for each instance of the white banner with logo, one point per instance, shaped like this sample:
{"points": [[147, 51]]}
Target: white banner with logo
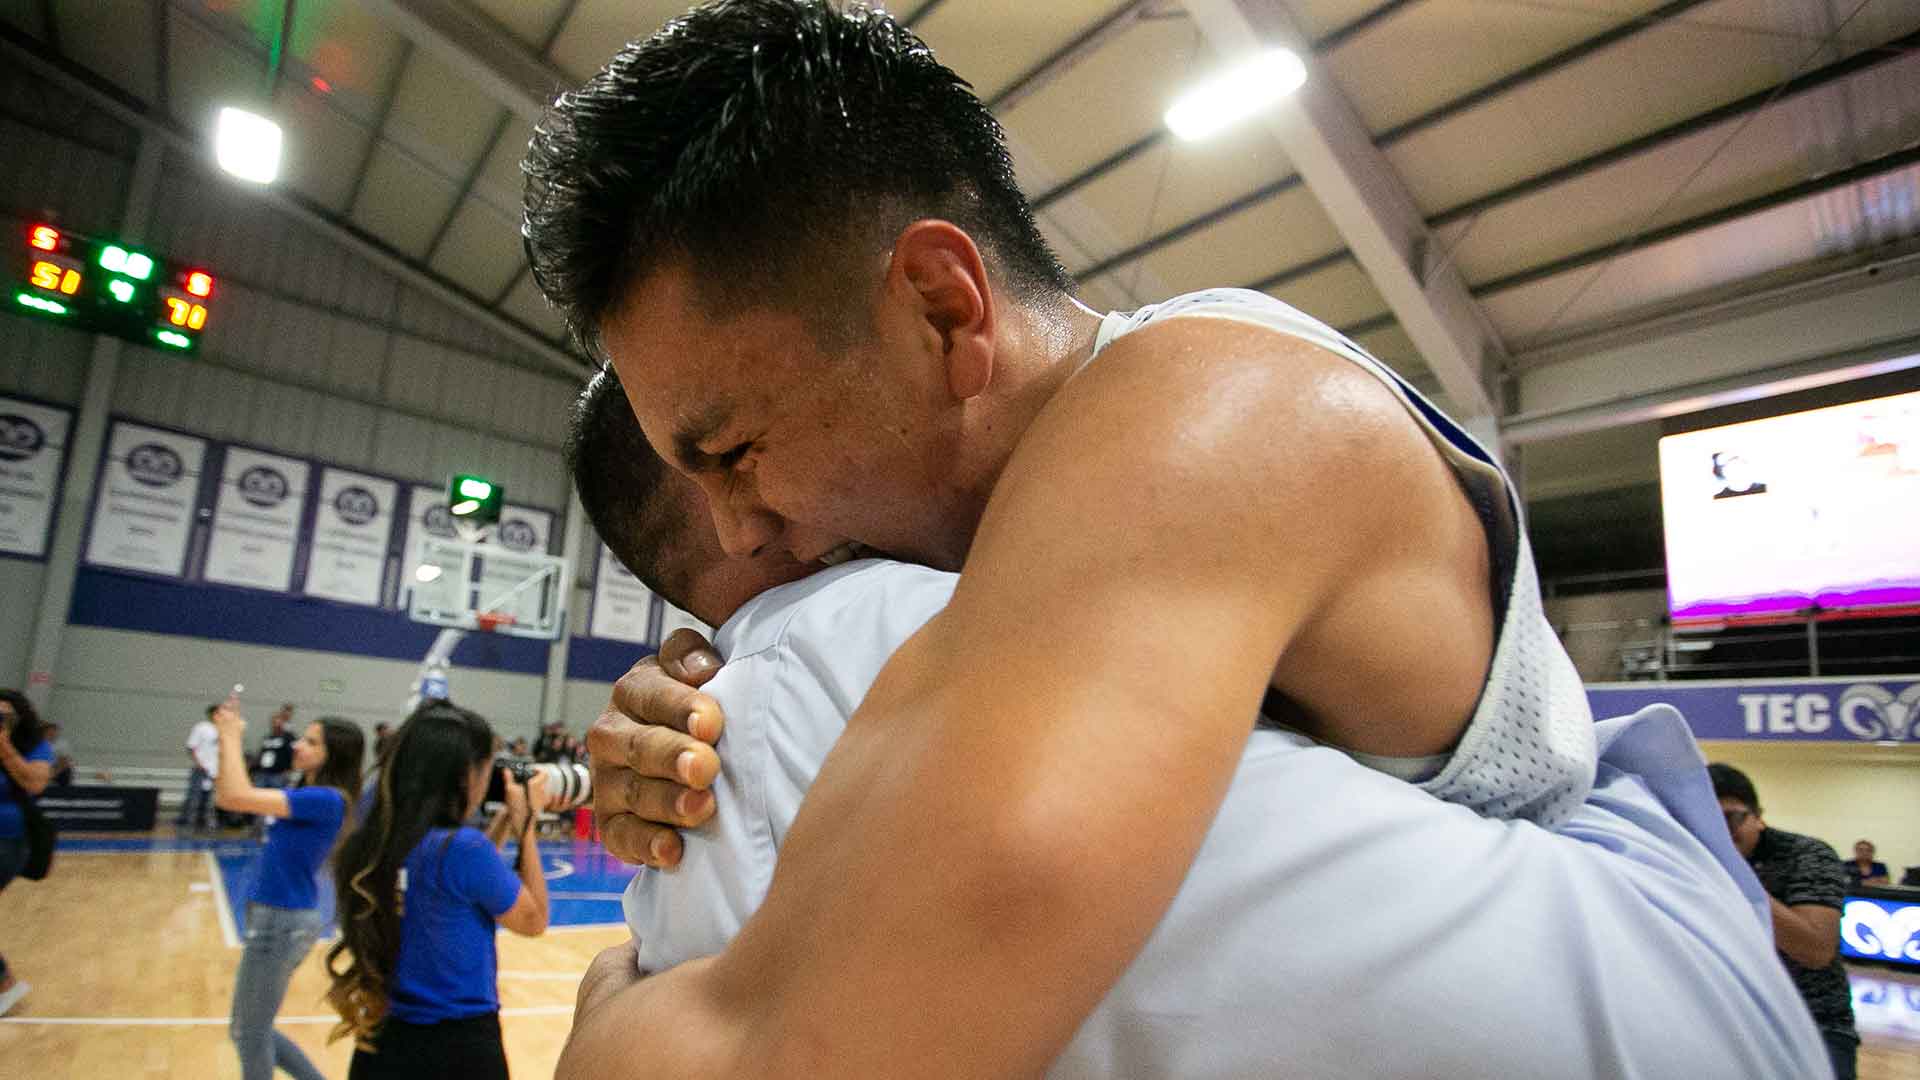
{"points": [[622, 607], [143, 510], [351, 525], [256, 520], [33, 450]]}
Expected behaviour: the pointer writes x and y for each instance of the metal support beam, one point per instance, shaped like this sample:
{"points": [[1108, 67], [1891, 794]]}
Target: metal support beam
{"points": [[1370, 206], [470, 43], [1083, 45], [553, 690], [1847, 325]]}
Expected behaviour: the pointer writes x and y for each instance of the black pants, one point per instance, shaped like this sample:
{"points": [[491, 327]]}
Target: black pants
{"points": [[469, 1049], [1842, 1049]]}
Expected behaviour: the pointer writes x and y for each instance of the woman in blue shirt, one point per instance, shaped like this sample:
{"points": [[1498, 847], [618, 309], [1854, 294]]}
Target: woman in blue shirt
{"points": [[283, 916], [26, 764], [419, 899]]}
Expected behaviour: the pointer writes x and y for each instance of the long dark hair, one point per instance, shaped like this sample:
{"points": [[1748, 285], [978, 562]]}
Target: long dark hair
{"points": [[346, 745], [423, 786], [28, 731]]}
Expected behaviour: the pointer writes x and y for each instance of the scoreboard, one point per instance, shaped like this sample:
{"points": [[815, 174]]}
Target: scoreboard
{"points": [[107, 287]]}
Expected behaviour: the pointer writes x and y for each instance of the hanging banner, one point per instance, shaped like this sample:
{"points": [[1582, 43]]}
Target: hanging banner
{"points": [[351, 526], [256, 520], [1842, 709], [622, 607], [33, 450], [143, 511]]}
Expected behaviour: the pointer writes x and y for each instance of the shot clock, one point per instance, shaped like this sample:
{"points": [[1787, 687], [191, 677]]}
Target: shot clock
{"points": [[107, 287]]}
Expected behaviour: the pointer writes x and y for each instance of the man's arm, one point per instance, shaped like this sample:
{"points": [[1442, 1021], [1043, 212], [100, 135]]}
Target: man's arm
{"points": [[1808, 933], [1020, 796], [233, 790]]}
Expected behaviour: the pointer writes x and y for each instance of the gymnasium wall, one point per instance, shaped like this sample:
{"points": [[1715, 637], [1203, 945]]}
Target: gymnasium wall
{"points": [[1837, 792], [312, 351]]}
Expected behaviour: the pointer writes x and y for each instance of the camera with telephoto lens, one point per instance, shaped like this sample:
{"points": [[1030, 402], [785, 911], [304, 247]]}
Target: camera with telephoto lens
{"points": [[569, 785]]}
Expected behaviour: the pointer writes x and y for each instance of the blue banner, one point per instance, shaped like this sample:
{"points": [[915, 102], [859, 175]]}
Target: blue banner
{"points": [[1845, 709]]}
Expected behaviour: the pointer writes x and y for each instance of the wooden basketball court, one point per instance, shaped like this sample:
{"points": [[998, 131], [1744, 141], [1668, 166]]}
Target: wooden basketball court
{"points": [[133, 975]]}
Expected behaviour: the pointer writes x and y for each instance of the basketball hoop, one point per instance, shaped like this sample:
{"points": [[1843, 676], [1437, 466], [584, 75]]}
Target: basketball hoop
{"points": [[489, 621]]}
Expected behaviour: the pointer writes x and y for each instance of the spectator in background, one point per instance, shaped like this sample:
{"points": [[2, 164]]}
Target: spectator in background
{"points": [[1863, 870], [414, 974], [382, 738], [26, 764], [203, 750], [1808, 885], [273, 765], [283, 916], [518, 749], [547, 746], [62, 757]]}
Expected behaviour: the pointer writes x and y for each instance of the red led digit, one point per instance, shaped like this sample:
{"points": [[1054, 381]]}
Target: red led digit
{"points": [[200, 283], [46, 237]]}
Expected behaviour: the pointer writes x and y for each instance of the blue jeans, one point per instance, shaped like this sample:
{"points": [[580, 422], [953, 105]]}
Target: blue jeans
{"points": [[197, 810], [278, 940]]}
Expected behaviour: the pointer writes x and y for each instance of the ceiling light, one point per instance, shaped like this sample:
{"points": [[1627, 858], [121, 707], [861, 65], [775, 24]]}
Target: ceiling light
{"points": [[247, 145], [1236, 94], [427, 572]]}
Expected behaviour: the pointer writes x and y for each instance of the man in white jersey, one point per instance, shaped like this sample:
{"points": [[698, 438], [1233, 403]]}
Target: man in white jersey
{"points": [[798, 238], [1322, 885]]}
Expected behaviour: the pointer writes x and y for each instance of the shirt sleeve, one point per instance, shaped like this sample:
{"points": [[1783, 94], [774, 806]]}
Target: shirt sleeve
{"points": [[476, 872], [1816, 876], [319, 805], [42, 751]]}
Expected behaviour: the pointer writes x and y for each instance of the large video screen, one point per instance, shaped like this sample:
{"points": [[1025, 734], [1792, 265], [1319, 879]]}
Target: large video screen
{"points": [[1818, 508]]}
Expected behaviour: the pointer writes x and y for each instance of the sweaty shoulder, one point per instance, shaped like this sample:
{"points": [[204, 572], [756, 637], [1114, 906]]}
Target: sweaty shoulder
{"points": [[1290, 484]]}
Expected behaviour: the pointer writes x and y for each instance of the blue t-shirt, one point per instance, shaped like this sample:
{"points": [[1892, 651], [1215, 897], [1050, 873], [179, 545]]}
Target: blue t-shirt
{"points": [[296, 846], [456, 886], [12, 825]]}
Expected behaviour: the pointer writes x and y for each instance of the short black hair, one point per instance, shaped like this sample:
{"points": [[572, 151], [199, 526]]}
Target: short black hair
{"points": [[624, 488], [211, 709], [1731, 783], [772, 145]]}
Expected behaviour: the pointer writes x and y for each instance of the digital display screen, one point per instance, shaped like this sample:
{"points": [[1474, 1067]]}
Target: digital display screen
{"points": [[1816, 509], [108, 287]]}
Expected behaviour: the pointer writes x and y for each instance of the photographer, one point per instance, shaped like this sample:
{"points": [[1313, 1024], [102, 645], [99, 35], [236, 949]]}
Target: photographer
{"points": [[26, 764], [283, 917], [414, 972]]}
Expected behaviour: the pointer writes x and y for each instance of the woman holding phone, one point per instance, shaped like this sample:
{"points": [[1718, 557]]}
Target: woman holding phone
{"points": [[283, 917], [420, 896]]}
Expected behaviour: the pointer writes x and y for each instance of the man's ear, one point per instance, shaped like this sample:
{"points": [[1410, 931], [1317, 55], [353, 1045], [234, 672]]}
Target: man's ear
{"points": [[937, 263]]}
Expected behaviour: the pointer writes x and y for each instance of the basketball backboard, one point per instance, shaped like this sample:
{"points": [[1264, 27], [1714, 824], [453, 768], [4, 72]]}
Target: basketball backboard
{"points": [[481, 586]]}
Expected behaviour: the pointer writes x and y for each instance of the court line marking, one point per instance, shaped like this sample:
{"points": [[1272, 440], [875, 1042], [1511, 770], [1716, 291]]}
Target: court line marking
{"points": [[223, 1021], [220, 904], [543, 976]]}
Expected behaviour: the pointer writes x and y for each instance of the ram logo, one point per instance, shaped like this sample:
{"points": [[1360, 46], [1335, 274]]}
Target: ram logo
{"points": [[356, 505], [20, 438], [155, 465], [263, 486]]}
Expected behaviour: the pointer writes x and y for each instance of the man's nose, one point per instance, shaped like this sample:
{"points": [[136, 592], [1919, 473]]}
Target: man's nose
{"points": [[745, 524]]}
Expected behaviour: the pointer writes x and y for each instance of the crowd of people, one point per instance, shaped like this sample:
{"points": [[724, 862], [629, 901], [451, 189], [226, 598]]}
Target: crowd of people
{"points": [[418, 874]]}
